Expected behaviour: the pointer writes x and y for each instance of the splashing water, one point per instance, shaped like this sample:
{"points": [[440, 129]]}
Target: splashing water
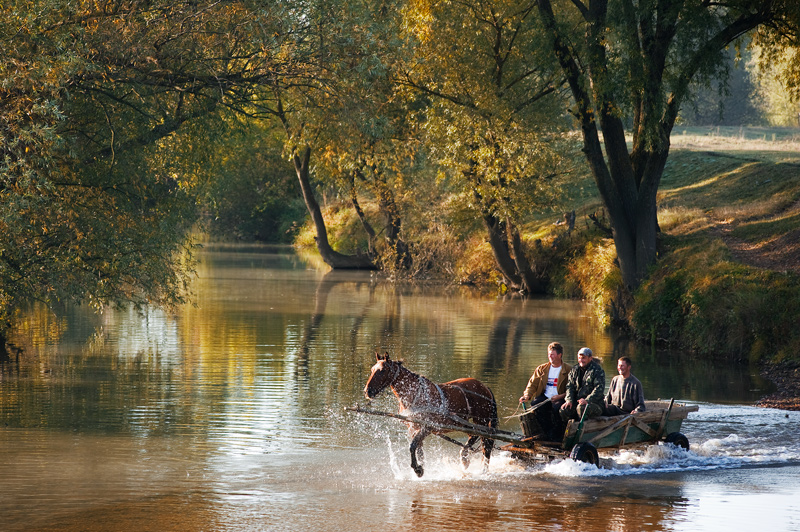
{"points": [[761, 437]]}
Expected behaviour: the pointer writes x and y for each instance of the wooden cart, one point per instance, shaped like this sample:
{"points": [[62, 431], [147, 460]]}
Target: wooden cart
{"points": [[583, 439]]}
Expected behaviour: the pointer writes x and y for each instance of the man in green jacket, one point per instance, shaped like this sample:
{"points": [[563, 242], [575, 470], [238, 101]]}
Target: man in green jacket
{"points": [[585, 385]]}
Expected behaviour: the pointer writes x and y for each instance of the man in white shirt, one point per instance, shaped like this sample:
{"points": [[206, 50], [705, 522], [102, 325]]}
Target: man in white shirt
{"points": [[549, 381]]}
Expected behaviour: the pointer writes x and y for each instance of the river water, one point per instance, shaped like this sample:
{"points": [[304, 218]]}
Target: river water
{"points": [[230, 416]]}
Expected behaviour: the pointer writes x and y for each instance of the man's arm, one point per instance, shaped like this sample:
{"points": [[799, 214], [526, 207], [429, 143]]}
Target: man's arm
{"points": [[532, 390], [598, 377], [638, 402], [609, 395], [569, 398]]}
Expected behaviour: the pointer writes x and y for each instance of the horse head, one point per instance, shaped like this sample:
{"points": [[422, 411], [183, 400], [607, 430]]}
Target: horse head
{"points": [[382, 375]]}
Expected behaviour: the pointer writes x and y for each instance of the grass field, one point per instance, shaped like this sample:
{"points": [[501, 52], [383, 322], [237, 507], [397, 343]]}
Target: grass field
{"points": [[751, 138]]}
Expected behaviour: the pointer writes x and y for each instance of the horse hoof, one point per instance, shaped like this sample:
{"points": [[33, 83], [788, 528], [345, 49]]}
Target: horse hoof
{"points": [[465, 463], [419, 471]]}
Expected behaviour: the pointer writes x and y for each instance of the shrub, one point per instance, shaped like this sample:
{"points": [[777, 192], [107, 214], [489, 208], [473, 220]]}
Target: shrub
{"points": [[699, 298]]}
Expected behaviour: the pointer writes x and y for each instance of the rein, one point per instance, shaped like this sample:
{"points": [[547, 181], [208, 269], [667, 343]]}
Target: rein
{"points": [[442, 398], [466, 399], [424, 416]]}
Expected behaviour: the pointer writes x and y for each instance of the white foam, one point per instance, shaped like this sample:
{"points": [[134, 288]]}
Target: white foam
{"points": [[571, 468]]}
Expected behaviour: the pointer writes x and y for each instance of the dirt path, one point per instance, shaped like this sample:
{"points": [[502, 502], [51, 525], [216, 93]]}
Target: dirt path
{"points": [[781, 254]]}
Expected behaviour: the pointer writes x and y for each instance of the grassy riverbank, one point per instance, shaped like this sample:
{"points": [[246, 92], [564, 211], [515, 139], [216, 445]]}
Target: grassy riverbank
{"points": [[728, 278], [727, 282]]}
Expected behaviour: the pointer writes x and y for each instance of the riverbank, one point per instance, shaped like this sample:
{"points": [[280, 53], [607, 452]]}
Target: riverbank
{"points": [[751, 212], [787, 378], [727, 281]]}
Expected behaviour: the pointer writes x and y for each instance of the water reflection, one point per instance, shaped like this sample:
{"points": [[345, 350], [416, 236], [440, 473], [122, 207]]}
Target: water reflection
{"points": [[230, 412], [310, 335]]}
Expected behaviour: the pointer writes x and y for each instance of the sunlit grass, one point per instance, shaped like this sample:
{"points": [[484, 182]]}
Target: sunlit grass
{"points": [[745, 188], [726, 138], [683, 220]]}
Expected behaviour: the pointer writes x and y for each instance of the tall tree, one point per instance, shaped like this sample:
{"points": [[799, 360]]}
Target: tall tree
{"points": [[494, 113], [315, 35], [629, 66], [774, 71], [368, 143], [81, 218]]}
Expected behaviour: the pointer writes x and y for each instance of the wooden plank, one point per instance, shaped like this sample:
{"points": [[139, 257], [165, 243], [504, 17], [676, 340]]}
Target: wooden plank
{"points": [[644, 428], [624, 435], [660, 431], [612, 428]]}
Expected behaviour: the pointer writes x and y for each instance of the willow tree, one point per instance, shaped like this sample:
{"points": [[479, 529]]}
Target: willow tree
{"points": [[369, 146], [98, 187], [308, 38], [775, 68], [368, 152], [495, 113], [630, 65], [88, 212]]}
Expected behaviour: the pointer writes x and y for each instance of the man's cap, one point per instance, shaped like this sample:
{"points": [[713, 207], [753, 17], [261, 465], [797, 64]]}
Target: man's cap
{"points": [[585, 351]]}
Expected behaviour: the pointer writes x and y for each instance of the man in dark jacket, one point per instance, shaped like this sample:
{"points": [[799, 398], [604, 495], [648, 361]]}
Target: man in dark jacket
{"points": [[585, 385]]}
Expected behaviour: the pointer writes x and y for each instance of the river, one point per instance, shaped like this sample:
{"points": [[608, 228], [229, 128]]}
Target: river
{"points": [[229, 415]]}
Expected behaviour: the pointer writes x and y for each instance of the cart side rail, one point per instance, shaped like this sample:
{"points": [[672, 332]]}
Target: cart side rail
{"points": [[618, 431]]}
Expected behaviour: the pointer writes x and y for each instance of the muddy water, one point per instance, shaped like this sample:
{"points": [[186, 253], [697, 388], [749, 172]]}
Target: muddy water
{"points": [[230, 416]]}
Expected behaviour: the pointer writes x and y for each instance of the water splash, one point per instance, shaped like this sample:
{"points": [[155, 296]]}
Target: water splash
{"points": [[721, 437]]}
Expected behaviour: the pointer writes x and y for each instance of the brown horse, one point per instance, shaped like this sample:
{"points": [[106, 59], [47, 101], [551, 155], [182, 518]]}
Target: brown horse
{"points": [[448, 403]]}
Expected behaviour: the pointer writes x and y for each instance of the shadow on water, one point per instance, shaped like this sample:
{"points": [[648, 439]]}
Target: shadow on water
{"points": [[505, 342], [330, 281]]}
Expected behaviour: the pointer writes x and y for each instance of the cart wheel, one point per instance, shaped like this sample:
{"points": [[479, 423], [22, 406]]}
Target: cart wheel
{"points": [[585, 452], [676, 438]]}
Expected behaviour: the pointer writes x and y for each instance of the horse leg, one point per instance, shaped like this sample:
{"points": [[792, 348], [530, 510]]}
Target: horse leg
{"points": [[466, 450], [416, 446], [488, 446], [488, 443]]}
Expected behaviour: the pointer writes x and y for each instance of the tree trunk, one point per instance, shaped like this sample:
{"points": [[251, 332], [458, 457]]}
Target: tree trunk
{"points": [[632, 211], [628, 181], [498, 241], [364, 222], [3, 348], [532, 282], [332, 258], [393, 225], [503, 239]]}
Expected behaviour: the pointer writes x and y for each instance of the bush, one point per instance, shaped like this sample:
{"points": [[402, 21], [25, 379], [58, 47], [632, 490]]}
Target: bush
{"points": [[699, 298]]}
